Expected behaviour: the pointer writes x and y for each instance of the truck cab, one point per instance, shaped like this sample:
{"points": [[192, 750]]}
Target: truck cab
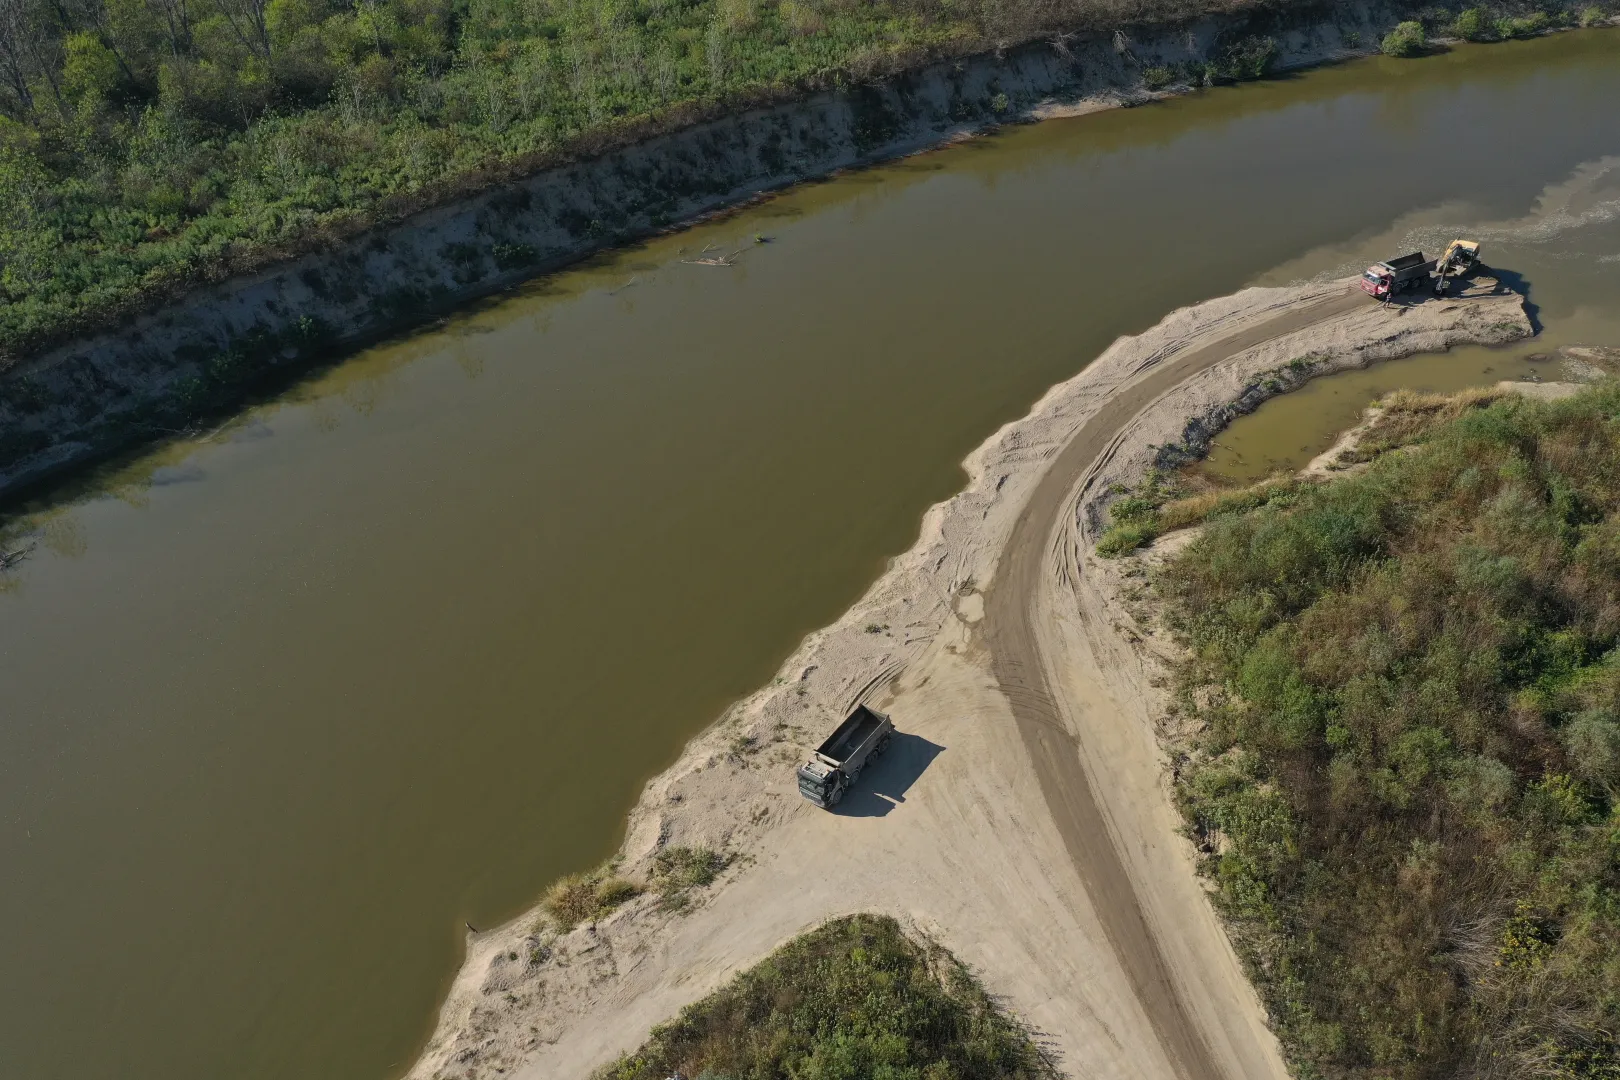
{"points": [[1378, 280], [821, 783], [1385, 279]]}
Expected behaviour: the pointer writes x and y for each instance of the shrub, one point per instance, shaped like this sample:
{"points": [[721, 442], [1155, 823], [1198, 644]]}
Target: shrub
{"points": [[1124, 537], [1593, 16], [1407, 39], [853, 998], [1472, 25], [1135, 521], [1251, 58], [675, 870], [1535, 24], [1157, 78]]}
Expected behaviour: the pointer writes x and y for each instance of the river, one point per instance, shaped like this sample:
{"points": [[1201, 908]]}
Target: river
{"points": [[285, 706]]}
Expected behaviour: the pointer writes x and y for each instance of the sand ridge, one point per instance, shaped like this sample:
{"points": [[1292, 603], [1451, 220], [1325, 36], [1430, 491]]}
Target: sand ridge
{"points": [[1022, 816]]}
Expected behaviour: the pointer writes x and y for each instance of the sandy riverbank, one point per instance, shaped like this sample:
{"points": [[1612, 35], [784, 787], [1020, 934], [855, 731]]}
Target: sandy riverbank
{"points": [[1022, 816]]}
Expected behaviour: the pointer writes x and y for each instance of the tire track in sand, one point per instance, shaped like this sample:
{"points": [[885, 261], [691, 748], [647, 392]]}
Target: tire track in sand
{"points": [[1016, 661]]}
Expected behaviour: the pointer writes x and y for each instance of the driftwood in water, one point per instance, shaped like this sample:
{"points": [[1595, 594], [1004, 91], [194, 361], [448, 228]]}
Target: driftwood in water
{"points": [[8, 559]]}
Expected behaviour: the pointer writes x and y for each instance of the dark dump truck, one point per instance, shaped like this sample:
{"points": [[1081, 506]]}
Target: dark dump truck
{"points": [[1383, 280], [836, 763]]}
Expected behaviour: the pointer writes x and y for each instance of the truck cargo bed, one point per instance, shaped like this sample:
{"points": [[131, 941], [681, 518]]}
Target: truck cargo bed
{"points": [[850, 734], [1406, 262]]}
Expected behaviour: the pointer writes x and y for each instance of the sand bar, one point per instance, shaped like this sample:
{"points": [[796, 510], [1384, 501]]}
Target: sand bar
{"points": [[1022, 817]]}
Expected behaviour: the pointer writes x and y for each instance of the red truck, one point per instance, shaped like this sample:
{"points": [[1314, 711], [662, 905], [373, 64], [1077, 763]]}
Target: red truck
{"points": [[1383, 280]]}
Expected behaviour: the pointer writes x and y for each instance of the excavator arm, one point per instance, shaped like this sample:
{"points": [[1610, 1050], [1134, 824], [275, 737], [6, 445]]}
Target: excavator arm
{"points": [[1459, 257]]}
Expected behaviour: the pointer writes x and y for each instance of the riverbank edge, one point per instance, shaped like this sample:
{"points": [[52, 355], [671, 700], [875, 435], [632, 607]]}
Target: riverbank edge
{"points": [[226, 344], [523, 988]]}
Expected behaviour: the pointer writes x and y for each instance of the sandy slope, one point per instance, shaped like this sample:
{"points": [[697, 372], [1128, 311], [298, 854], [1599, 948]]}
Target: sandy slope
{"points": [[1021, 816]]}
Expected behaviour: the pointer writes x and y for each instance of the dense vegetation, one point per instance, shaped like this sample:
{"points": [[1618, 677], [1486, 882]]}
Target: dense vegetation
{"points": [[1478, 24], [147, 144], [1407, 773], [853, 1000]]}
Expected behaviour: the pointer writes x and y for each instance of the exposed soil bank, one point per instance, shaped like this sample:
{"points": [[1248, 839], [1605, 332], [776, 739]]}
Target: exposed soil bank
{"points": [[211, 351], [1022, 817]]}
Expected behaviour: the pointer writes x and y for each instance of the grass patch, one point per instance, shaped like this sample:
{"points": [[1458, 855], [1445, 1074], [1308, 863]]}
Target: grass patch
{"points": [[1133, 516], [1166, 502], [1196, 509], [581, 898], [1405, 416], [852, 999], [1406, 783], [677, 870]]}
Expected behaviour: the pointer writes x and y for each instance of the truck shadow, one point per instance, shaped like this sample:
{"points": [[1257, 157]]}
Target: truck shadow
{"points": [[883, 784], [1491, 281]]}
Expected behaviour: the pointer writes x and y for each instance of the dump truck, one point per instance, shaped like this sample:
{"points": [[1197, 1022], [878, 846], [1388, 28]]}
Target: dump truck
{"points": [[1383, 280], [836, 763], [1459, 258]]}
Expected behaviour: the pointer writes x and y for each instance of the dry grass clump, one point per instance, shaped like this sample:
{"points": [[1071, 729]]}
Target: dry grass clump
{"points": [[581, 897]]}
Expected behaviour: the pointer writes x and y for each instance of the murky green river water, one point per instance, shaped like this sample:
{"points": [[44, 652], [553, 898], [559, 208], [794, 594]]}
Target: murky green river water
{"points": [[282, 708]]}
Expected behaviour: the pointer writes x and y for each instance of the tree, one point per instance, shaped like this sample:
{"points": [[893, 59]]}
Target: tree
{"points": [[1407, 39], [247, 22]]}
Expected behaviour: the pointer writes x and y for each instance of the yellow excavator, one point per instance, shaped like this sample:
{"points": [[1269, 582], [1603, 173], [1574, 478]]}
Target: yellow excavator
{"points": [[1459, 258]]}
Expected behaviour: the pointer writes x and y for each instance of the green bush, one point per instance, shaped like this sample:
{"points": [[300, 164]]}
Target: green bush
{"points": [[852, 999], [1124, 537], [1157, 78], [1134, 522], [1242, 60], [1251, 58], [1538, 23], [1593, 16], [1472, 25], [1408, 688], [1407, 39], [1534, 24]]}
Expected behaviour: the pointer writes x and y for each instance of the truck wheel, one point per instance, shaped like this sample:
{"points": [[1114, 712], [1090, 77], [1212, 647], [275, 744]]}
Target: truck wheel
{"points": [[883, 744]]}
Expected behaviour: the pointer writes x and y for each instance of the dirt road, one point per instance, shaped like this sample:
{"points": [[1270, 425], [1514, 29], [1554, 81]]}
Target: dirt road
{"points": [[1023, 816], [1010, 608]]}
